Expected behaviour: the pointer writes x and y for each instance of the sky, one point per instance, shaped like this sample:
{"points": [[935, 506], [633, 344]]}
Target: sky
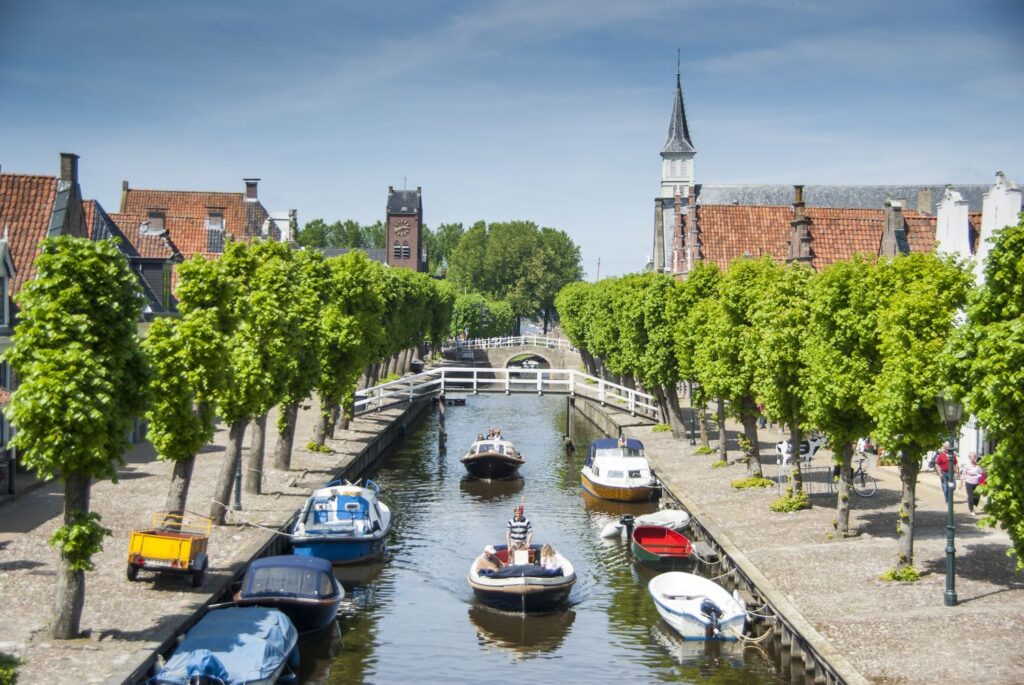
{"points": [[553, 111]]}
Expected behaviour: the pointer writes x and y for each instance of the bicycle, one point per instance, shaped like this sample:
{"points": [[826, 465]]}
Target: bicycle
{"points": [[864, 484]]}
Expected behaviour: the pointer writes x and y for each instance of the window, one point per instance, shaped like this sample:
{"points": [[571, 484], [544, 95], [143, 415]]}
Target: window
{"points": [[396, 251], [156, 221], [215, 221], [215, 232], [405, 249]]}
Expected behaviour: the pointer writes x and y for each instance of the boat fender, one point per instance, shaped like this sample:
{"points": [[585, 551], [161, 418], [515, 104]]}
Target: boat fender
{"points": [[612, 530]]}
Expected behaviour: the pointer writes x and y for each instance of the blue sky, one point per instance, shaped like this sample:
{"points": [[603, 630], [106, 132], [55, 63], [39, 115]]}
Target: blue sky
{"points": [[553, 111]]}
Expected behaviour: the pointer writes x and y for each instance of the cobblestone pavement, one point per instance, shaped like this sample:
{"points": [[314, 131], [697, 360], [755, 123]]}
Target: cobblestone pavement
{"points": [[889, 632], [123, 621]]}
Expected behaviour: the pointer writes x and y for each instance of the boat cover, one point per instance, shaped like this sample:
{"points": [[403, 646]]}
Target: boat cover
{"points": [[235, 644], [522, 571], [289, 576]]}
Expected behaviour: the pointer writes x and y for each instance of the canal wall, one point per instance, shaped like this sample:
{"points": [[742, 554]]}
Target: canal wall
{"points": [[799, 649]]}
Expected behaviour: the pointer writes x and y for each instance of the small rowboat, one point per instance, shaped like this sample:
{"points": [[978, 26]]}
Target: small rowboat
{"points": [[521, 584], [698, 608], [660, 546]]}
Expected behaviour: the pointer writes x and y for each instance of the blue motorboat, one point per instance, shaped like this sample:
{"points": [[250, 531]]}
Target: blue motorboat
{"points": [[234, 646], [304, 588], [343, 523]]}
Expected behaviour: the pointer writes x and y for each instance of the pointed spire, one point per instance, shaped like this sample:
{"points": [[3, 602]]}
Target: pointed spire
{"points": [[678, 131]]}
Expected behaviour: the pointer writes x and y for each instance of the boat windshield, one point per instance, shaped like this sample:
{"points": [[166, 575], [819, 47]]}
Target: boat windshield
{"points": [[285, 580], [619, 452]]}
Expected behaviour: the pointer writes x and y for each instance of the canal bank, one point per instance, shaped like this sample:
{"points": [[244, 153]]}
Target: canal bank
{"points": [[125, 625], [845, 623]]}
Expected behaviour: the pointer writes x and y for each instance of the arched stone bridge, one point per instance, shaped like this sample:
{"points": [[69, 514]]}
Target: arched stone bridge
{"points": [[555, 353]]}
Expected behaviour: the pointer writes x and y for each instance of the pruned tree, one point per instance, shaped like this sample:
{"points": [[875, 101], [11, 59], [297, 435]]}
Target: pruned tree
{"points": [[82, 377]]}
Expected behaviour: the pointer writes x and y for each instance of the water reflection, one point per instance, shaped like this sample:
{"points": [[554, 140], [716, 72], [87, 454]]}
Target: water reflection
{"points": [[490, 490], [524, 636]]}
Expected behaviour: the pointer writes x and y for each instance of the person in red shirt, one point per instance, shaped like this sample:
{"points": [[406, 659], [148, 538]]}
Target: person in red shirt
{"points": [[943, 459]]}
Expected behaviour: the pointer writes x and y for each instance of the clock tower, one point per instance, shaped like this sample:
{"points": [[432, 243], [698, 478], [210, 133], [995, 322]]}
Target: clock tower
{"points": [[405, 246]]}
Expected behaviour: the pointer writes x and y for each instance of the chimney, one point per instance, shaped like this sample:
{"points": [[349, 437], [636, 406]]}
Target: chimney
{"points": [[800, 230], [69, 167], [250, 189], [124, 195], [798, 202], [894, 235], [924, 201]]}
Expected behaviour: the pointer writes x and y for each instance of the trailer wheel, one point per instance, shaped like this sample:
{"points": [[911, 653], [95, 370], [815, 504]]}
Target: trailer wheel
{"points": [[199, 575], [132, 572]]}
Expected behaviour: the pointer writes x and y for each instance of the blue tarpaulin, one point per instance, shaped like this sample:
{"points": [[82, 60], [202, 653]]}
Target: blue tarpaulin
{"points": [[237, 645]]}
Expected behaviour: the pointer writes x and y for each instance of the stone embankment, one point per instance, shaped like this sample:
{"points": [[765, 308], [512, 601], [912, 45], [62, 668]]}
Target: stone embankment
{"points": [[888, 632], [126, 623]]}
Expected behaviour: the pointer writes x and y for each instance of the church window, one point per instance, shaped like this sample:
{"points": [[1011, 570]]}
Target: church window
{"points": [[396, 250], [405, 249]]}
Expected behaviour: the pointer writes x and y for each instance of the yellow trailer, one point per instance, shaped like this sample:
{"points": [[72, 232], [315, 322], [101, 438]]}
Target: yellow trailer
{"points": [[175, 543]]}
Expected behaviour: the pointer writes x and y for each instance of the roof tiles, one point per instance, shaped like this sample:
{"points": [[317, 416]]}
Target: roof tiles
{"points": [[26, 205]]}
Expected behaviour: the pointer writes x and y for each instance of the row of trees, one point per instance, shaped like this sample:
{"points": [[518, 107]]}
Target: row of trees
{"points": [[860, 348], [262, 326]]}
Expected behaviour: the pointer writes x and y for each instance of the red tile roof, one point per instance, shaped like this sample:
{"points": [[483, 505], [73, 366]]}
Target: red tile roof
{"points": [[242, 219], [728, 232], [26, 203], [148, 246]]}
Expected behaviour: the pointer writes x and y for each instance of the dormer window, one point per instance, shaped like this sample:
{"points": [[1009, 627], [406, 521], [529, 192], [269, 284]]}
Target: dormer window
{"points": [[215, 221], [157, 221], [215, 232]]}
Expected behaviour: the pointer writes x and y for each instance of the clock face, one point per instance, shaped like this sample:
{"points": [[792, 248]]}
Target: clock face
{"points": [[402, 228]]}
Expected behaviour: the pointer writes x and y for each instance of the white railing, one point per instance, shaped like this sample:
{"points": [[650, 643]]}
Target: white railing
{"points": [[512, 341], [447, 379]]}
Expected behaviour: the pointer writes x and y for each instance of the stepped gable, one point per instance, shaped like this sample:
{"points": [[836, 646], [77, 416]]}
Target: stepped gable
{"points": [[26, 205], [729, 232]]}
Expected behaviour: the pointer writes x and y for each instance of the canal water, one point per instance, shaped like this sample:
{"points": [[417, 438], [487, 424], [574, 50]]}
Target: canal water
{"points": [[412, 618]]}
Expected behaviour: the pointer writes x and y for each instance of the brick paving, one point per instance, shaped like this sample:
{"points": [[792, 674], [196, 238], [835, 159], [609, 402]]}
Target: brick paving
{"points": [[889, 632], [122, 621]]}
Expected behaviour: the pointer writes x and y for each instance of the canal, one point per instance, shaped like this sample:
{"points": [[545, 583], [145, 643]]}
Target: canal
{"points": [[413, 618]]}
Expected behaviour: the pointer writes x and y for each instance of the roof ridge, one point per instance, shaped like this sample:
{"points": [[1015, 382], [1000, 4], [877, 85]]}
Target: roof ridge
{"points": [[47, 176], [197, 192]]}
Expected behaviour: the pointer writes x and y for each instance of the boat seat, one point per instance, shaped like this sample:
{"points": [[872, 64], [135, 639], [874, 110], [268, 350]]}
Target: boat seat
{"points": [[521, 556]]}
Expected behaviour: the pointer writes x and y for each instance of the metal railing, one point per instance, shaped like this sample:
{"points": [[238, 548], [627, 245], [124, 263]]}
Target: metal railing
{"points": [[512, 341], [446, 379]]}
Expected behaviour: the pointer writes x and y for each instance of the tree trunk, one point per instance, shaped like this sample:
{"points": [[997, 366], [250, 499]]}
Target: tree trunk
{"points": [[796, 478], [754, 451], [546, 315], [720, 415], [588, 362], [252, 471], [905, 523], [845, 484], [69, 595], [675, 414], [226, 479], [321, 423], [403, 361], [181, 479], [702, 428], [332, 423], [286, 437]]}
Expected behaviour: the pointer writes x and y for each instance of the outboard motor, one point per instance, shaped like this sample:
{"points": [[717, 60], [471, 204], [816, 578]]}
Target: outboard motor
{"points": [[628, 521], [713, 613]]}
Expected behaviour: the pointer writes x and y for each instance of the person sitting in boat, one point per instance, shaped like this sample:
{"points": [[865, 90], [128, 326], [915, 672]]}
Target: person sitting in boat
{"points": [[518, 531], [497, 433], [490, 433], [548, 559], [491, 560], [479, 437]]}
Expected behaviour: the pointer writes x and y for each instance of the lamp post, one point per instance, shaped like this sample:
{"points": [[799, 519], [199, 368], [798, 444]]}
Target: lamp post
{"points": [[951, 410]]}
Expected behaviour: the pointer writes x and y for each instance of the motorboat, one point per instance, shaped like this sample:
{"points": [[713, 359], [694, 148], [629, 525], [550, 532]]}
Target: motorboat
{"points": [[618, 470], [304, 588], [698, 608], [660, 547], [342, 522], [676, 519], [521, 583], [492, 458], [234, 646]]}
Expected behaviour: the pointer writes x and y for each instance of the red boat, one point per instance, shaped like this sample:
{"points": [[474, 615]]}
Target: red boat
{"points": [[660, 546]]}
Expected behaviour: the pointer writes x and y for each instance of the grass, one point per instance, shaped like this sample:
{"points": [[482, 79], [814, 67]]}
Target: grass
{"points": [[661, 428], [323, 449], [752, 482], [904, 574], [790, 502], [704, 450], [8, 669], [720, 464]]}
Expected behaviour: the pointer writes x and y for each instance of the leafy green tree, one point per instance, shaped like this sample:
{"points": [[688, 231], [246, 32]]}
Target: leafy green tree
{"points": [[187, 356], [990, 364], [82, 376], [917, 297], [440, 245], [374, 235], [555, 263], [840, 356], [571, 304], [478, 317], [465, 264], [778, 316]]}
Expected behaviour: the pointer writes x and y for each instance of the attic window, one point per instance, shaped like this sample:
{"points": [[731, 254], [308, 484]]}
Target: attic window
{"points": [[215, 221], [156, 221], [215, 232]]}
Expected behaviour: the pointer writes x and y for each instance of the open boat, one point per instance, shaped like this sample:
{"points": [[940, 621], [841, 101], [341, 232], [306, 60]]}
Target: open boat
{"points": [[304, 588], [618, 470], [698, 608], [233, 646], [524, 584], [660, 546], [492, 458], [676, 519], [343, 523]]}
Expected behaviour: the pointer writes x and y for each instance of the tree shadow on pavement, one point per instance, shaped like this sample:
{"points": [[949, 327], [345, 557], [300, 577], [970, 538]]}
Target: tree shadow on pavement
{"points": [[984, 562], [927, 525]]}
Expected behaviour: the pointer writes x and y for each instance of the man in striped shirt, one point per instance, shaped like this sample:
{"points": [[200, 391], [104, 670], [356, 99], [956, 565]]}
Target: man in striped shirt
{"points": [[519, 531]]}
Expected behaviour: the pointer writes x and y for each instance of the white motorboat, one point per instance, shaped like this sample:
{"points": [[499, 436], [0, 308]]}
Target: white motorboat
{"points": [[698, 608]]}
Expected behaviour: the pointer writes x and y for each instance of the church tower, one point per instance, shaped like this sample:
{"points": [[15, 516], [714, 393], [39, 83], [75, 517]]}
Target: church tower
{"points": [[676, 177]]}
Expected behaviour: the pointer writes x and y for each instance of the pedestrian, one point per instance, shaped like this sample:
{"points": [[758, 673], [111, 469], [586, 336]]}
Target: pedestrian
{"points": [[973, 476], [945, 461], [762, 420]]}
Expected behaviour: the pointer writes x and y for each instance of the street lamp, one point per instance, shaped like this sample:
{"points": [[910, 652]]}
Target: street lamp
{"points": [[951, 410]]}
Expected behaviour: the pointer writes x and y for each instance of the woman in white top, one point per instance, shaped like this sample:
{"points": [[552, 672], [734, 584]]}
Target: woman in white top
{"points": [[972, 475]]}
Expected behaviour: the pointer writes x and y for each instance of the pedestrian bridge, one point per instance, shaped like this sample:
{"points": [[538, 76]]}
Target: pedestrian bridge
{"points": [[446, 380], [555, 353]]}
